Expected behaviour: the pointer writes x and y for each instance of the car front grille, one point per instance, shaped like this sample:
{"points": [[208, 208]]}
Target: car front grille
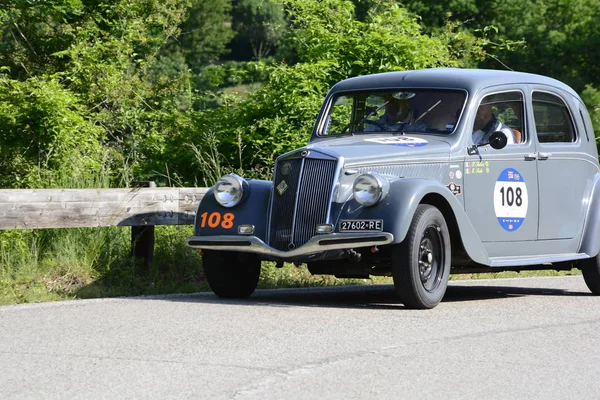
{"points": [[302, 201]]}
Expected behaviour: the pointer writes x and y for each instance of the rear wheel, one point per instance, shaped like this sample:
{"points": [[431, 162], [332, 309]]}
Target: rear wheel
{"points": [[231, 274], [421, 263], [590, 269]]}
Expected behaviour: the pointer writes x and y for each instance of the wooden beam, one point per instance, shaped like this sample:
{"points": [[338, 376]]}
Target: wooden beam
{"points": [[81, 208]]}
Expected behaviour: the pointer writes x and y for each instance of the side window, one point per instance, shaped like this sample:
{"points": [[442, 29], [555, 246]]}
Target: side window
{"points": [[552, 119], [500, 112]]}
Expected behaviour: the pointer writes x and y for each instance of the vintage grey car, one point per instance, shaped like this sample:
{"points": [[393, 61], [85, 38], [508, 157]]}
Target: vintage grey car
{"points": [[417, 175]]}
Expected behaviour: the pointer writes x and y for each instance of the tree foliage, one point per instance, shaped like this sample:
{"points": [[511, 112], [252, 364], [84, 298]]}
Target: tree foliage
{"points": [[76, 85], [205, 32], [258, 24], [138, 89], [558, 33], [44, 136], [327, 44]]}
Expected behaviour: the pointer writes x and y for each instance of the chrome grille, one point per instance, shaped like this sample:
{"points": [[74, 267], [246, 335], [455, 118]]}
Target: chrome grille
{"points": [[282, 214], [304, 204]]}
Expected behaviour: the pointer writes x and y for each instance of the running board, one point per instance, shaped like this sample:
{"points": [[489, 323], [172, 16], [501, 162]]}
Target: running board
{"points": [[535, 260]]}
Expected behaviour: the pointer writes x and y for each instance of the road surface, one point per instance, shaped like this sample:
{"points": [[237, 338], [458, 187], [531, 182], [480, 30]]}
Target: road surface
{"points": [[505, 338]]}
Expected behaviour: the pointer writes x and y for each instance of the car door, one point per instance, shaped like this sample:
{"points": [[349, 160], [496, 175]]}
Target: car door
{"points": [[564, 168], [501, 191]]}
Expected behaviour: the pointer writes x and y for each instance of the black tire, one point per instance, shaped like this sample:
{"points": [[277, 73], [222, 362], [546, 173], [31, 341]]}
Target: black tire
{"points": [[231, 274], [590, 269], [421, 263]]}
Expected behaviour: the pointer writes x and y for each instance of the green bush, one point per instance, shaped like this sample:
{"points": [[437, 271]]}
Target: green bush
{"points": [[328, 44]]}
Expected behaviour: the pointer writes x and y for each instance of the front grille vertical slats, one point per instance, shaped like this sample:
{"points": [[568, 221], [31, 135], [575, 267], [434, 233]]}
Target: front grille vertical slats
{"points": [[310, 182], [313, 199]]}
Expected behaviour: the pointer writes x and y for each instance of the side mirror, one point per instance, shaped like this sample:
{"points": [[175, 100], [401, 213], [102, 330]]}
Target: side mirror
{"points": [[498, 140]]}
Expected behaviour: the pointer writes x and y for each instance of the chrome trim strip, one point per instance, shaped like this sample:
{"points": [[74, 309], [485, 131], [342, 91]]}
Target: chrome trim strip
{"points": [[256, 245], [300, 179], [535, 259], [334, 187]]}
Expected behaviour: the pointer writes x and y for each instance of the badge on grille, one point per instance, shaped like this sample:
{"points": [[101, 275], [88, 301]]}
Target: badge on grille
{"points": [[286, 168], [282, 187]]}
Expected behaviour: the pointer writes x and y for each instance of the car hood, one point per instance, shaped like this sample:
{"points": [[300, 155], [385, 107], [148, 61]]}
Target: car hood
{"points": [[385, 149]]}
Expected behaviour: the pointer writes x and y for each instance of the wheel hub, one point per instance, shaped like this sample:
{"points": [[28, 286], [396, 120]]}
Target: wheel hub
{"points": [[425, 260], [430, 257]]}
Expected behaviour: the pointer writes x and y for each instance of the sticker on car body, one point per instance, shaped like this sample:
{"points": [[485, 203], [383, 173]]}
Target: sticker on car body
{"points": [[454, 188], [216, 220], [510, 199], [404, 141], [361, 225]]}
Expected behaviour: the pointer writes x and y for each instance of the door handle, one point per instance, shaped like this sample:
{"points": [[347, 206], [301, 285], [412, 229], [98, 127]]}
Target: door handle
{"points": [[544, 156], [530, 157]]}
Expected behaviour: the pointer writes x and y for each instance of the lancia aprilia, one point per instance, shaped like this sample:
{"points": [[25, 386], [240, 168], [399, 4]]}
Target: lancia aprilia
{"points": [[417, 175]]}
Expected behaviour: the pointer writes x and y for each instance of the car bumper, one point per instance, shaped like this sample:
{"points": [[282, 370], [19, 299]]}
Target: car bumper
{"points": [[318, 244]]}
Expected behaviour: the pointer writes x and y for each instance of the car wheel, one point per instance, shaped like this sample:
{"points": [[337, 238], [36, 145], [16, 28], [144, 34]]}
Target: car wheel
{"points": [[231, 274], [590, 269], [421, 263]]}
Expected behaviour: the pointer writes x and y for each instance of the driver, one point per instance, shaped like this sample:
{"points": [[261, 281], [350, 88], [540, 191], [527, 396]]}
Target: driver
{"points": [[486, 123], [397, 115]]}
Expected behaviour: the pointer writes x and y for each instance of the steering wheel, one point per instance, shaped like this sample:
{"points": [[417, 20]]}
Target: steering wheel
{"points": [[379, 124]]}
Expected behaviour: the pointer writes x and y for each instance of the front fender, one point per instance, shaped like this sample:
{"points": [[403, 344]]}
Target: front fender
{"points": [[399, 206], [252, 210]]}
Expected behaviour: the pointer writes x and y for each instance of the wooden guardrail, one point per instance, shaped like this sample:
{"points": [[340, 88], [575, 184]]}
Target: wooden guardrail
{"points": [[141, 208]]}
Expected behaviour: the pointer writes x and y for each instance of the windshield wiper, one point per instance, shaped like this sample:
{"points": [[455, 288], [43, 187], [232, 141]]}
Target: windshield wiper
{"points": [[421, 116], [427, 112]]}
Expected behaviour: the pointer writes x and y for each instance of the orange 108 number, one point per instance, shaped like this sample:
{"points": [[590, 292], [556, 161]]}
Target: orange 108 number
{"points": [[213, 220]]}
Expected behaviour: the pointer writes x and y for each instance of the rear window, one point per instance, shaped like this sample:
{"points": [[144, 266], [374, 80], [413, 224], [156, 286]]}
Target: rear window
{"points": [[552, 119]]}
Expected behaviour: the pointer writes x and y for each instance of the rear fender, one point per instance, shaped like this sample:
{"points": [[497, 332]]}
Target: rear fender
{"points": [[590, 243], [252, 210], [399, 206]]}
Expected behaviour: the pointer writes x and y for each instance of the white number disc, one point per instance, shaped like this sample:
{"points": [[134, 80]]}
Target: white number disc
{"points": [[510, 199]]}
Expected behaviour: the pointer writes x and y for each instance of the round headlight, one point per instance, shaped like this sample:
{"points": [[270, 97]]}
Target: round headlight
{"points": [[229, 190], [369, 189]]}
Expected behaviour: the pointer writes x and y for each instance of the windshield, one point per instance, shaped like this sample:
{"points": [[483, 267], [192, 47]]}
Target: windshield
{"points": [[433, 111]]}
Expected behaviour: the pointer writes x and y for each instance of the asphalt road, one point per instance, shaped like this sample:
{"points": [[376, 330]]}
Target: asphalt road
{"points": [[513, 338]]}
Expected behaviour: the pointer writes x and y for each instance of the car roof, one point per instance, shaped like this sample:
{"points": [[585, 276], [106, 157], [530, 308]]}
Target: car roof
{"points": [[454, 78]]}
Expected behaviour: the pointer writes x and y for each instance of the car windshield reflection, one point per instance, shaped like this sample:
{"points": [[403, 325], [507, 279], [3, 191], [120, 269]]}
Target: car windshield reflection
{"points": [[431, 111]]}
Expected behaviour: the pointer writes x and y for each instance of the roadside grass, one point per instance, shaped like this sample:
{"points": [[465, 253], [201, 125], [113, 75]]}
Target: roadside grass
{"points": [[291, 276], [64, 264]]}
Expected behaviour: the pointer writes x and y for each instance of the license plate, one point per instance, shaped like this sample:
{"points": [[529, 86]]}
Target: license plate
{"points": [[361, 225]]}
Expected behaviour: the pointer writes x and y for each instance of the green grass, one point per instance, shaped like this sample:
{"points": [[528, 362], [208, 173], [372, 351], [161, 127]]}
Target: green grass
{"points": [[291, 276], [62, 264]]}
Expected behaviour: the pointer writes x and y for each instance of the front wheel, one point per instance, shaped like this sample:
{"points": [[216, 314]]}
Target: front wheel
{"points": [[421, 263], [590, 269], [231, 274]]}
